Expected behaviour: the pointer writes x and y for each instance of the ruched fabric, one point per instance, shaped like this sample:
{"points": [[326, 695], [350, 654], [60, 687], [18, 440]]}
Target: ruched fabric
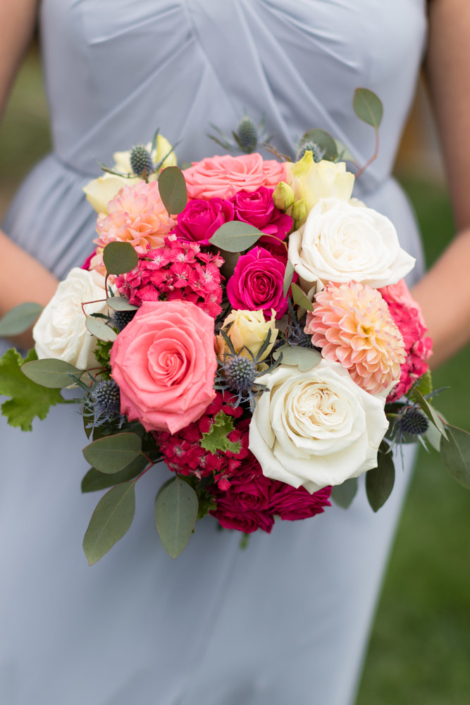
{"points": [[286, 620]]}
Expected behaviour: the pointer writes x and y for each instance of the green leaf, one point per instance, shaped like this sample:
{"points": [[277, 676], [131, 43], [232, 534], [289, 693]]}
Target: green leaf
{"points": [[176, 510], [119, 258], [235, 236], [120, 303], [433, 437], [300, 299], [112, 454], [430, 412], [343, 495], [173, 191], [217, 437], [100, 330], [380, 481], [303, 358], [344, 154], [368, 107], [51, 373], [111, 519], [423, 385], [455, 453], [19, 319], [28, 399], [324, 140], [95, 481], [288, 276]]}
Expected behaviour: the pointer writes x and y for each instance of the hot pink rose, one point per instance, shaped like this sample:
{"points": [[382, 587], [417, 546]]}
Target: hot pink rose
{"points": [[200, 219], [223, 177], [164, 363], [292, 504], [257, 283], [257, 208]]}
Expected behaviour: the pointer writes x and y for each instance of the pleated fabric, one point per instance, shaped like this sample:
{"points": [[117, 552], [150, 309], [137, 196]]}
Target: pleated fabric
{"points": [[286, 620]]}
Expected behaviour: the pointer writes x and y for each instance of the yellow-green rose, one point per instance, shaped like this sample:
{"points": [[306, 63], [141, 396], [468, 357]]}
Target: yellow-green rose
{"points": [[248, 329]]}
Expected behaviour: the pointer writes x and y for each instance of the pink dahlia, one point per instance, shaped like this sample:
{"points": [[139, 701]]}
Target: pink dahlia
{"points": [[353, 326]]}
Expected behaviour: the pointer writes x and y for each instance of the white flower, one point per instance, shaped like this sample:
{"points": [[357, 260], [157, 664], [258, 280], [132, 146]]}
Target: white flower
{"points": [[316, 428], [61, 331], [341, 242], [100, 192]]}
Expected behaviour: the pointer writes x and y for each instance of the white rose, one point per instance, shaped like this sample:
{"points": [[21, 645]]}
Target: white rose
{"points": [[61, 331], [341, 242], [316, 428], [100, 192]]}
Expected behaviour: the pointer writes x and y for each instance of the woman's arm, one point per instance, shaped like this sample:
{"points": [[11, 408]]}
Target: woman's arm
{"points": [[444, 293], [22, 278]]}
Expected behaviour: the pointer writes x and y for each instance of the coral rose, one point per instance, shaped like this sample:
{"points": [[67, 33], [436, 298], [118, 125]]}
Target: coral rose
{"points": [[164, 363], [223, 177], [257, 283]]}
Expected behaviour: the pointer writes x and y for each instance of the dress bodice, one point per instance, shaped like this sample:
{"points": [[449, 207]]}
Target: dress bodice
{"points": [[128, 67]]}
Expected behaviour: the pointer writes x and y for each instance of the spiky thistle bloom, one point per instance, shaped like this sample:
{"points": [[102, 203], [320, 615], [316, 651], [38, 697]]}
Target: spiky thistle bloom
{"points": [[141, 161], [353, 326], [413, 422], [103, 404], [312, 147]]}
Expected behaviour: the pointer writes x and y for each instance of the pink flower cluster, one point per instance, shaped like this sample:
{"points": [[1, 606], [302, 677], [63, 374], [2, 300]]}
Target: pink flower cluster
{"points": [[176, 271]]}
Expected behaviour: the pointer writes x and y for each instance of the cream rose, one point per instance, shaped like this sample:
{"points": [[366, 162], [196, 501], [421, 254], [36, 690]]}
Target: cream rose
{"points": [[311, 181], [248, 329], [316, 428], [341, 242], [61, 331], [100, 192]]}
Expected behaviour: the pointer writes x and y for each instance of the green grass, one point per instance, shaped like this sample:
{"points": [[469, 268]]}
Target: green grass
{"points": [[420, 647]]}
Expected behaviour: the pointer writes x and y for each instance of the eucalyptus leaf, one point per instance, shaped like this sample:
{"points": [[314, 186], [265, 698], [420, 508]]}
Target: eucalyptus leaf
{"points": [[100, 330], [430, 412], [433, 437], [288, 276], [176, 510], [19, 319], [50, 373], [368, 107], [300, 299], [111, 454], [119, 257], [380, 481], [343, 495], [455, 454], [172, 189], [293, 355], [120, 303], [344, 154], [235, 236], [111, 520], [324, 140], [423, 385], [95, 480]]}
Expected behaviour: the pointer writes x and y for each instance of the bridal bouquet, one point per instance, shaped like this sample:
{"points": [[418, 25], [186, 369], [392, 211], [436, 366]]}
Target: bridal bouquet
{"points": [[245, 320]]}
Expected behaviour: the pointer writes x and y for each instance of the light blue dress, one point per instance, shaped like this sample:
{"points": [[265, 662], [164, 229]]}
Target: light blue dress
{"points": [[285, 621]]}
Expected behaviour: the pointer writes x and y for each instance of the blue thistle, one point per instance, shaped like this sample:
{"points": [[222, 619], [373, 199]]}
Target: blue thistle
{"points": [[313, 147], [141, 161], [246, 138], [413, 422], [122, 318]]}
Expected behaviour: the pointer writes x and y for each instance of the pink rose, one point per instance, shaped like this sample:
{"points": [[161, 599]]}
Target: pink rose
{"points": [[292, 504], [257, 208], [164, 363], [223, 177], [200, 219], [231, 516], [257, 283]]}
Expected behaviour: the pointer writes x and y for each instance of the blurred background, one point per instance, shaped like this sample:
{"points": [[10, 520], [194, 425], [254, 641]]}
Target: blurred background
{"points": [[420, 646]]}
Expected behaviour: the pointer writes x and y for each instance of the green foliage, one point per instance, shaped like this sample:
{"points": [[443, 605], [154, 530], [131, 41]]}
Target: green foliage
{"points": [[28, 399], [288, 276], [111, 454], [343, 495], [368, 107], [380, 481], [217, 437], [99, 329], [50, 373], [324, 141], [103, 356], [176, 510], [235, 236], [19, 319], [172, 189], [94, 480], [423, 385], [430, 412], [120, 303], [111, 519], [455, 454], [119, 258], [300, 299], [205, 499]]}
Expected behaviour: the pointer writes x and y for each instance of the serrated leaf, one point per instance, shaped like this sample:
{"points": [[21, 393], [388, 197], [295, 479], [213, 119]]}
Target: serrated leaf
{"points": [[217, 437], [288, 276], [95, 481], [100, 330], [343, 495], [324, 140], [455, 454], [28, 399], [235, 236], [303, 358], [423, 385], [300, 299], [111, 454], [119, 258], [19, 319], [430, 412], [50, 373], [111, 520], [368, 107], [380, 481], [120, 303], [176, 508], [172, 189]]}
